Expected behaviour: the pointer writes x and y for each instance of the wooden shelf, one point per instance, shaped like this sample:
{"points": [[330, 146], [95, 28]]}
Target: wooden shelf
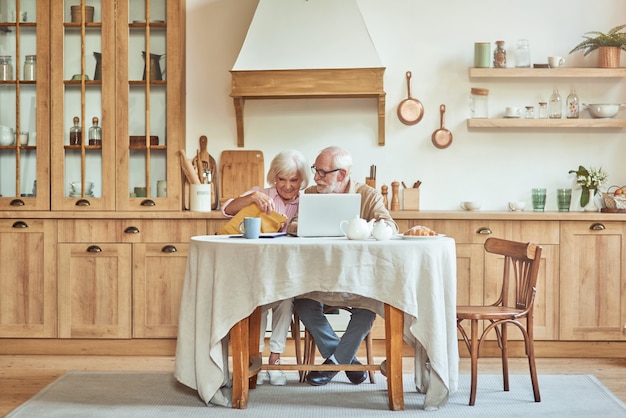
{"points": [[547, 72], [546, 123]]}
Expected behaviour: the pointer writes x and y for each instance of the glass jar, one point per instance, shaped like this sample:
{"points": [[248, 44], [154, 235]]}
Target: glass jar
{"points": [[95, 133], [543, 110], [573, 105], [530, 112], [76, 136], [499, 55], [522, 54], [6, 68], [479, 103], [555, 105], [30, 67]]}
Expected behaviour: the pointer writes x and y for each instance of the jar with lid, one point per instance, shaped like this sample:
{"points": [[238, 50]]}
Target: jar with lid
{"points": [[479, 104], [555, 105], [573, 106], [30, 67], [499, 55], [76, 136], [95, 133], [6, 67], [543, 110], [530, 112], [522, 54]]}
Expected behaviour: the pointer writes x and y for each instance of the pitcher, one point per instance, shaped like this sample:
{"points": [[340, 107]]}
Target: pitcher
{"points": [[155, 66]]}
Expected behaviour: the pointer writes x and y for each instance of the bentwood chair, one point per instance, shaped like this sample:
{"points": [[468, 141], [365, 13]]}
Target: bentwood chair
{"points": [[309, 345], [515, 304]]}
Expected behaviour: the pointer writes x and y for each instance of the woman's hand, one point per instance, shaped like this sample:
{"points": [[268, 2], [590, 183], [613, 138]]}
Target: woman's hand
{"points": [[263, 201]]}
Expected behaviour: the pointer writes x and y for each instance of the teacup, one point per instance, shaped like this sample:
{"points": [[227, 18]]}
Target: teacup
{"points": [[470, 205], [512, 112], [517, 206], [555, 62]]}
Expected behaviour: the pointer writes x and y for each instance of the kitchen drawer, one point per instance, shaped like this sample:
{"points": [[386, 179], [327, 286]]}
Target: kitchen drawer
{"points": [[540, 232], [134, 230], [468, 231]]}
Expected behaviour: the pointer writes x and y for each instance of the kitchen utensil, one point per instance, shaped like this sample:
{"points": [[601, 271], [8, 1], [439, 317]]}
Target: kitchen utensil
{"points": [[155, 66], [603, 110], [205, 164], [442, 138], [410, 110], [240, 170]]}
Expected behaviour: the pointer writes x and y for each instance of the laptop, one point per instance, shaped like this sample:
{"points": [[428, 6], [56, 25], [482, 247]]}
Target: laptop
{"points": [[319, 215]]}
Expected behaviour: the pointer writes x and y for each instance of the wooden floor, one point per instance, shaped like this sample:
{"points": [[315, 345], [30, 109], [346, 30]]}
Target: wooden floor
{"points": [[23, 376]]}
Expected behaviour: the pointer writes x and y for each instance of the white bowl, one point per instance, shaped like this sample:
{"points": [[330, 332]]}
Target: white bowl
{"points": [[470, 205], [603, 110], [76, 186], [6, 139]]}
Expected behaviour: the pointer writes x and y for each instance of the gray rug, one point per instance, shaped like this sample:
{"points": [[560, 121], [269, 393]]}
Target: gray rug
{"points": [[114, 394]]}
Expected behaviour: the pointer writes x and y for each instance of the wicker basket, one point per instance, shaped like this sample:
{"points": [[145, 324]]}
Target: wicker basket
{"points": [[614, 202]]}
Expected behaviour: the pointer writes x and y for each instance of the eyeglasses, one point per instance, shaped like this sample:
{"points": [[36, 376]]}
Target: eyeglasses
{"points": [[322, 173]]}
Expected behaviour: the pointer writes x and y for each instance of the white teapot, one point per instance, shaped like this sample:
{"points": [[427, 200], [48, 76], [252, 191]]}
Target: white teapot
{"points": [[382, 231], [357, 228]]}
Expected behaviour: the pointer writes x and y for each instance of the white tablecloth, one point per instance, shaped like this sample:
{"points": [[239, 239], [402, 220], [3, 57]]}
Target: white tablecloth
{"points": [[227, 278]]}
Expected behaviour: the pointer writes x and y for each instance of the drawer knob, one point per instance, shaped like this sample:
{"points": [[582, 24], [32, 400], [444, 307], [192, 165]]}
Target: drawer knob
{"points": [[168, 249], [597, 226], [484, 231], [17, 202], [94, 249], [148, 202], [20, 224], [83, 202], [131, 230]]}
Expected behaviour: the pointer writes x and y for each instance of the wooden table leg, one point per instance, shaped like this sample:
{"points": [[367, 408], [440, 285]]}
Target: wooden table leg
{"points": [[394, 325], [239, 342]]}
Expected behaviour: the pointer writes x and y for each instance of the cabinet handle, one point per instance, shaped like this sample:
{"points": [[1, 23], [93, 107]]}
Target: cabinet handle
{"points": [[94, 249], [20, 224], [148, 202], [131, 230], [83, 202], [597, 226], [168, 249], [483, 230], [17, 202]]}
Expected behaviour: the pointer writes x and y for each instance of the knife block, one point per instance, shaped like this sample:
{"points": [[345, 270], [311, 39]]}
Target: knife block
{"points": [[410, 199]]}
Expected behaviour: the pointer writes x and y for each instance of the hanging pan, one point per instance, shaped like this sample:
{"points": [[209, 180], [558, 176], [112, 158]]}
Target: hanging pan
{"points": [[410, 110], [442, 138]]}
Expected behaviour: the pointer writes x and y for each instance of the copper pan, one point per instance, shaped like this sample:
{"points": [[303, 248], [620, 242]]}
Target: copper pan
{"points": [[442, 138], [410, 110]]}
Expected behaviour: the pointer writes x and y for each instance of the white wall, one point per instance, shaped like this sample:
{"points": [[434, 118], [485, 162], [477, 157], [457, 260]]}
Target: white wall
{"points": [[434, 40]]}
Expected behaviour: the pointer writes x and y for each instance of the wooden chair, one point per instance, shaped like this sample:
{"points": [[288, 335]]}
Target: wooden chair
{"points": [[309, 346], [521, 267]]}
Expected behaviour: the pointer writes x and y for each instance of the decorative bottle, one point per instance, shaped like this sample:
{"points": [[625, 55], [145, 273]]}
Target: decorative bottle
{"points": [[75, 133], [499, 55], [95, 133], [522, 54], [573, 105], [555, 105]]}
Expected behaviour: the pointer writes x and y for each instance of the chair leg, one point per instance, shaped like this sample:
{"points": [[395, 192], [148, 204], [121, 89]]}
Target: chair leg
{"points": [[474, 360], [295, 333], [530, 352], [309, 353], [505, 357], [370, 356]]}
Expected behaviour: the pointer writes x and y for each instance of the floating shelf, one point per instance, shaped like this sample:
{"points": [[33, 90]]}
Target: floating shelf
{"points": [[546, 123], [547, 72]]}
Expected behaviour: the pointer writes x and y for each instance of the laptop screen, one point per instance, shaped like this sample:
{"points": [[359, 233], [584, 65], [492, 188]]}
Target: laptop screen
{"points": [[320, 215]]}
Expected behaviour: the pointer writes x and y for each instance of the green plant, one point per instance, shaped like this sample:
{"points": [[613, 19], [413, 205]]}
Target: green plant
{"points": [[588, 180], [613, 38]]}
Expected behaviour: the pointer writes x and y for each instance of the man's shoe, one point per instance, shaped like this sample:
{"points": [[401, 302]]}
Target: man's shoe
{"points": [[357, 376], [316, 378]]}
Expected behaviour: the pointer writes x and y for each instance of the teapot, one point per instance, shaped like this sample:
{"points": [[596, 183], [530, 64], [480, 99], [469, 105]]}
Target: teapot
{"points": [[382, 231], [357, 228]]}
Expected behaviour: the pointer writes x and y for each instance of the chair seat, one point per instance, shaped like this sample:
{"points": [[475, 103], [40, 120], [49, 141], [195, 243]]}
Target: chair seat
{"points": [[488, 312]]}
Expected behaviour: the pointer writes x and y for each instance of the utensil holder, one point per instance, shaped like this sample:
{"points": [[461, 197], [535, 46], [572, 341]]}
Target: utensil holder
{"points": [[200, 198], [410, 199]]}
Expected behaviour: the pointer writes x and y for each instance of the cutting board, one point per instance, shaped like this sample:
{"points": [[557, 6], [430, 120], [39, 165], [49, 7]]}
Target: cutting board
{"points": [[240, 170]]}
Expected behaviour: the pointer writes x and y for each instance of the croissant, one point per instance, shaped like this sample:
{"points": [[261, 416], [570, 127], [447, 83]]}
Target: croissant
{"points": [[419, 230]]}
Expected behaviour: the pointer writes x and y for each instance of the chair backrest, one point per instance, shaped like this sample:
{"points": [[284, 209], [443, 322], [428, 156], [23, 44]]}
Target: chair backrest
{"points": [[521, 268]]}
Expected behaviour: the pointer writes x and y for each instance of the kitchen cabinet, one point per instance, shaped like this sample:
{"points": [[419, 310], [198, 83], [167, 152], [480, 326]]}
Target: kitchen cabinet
{"points": [[593, 285], [28, 307], [520, 74], [25, 180], [122, 278]]}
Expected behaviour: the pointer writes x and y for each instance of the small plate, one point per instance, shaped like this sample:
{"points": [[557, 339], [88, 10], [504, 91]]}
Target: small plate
{"points": [[420, 237]]}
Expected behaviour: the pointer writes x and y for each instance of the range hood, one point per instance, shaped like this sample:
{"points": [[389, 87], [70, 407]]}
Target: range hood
{"points": [[307, 49]]}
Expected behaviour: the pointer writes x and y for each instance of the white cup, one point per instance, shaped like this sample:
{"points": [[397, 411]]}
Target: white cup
{"points": [[517, 206], [512, 112], [470, 205], [555, 62]]}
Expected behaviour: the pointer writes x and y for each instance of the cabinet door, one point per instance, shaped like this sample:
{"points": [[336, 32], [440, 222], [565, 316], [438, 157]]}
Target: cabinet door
{"points": [[150, 117], [593, 294], [25, 107], [158, 276], [94, 290], [28, 279]]}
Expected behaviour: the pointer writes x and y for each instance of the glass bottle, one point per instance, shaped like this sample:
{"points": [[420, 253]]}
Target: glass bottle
{"points": [[555, 105], [573, 105], [30, 67], [543, 110], [499, 55], [530, 112], [522, 54], [75, 133], [479, 103], [95, 133], [6, 67]]}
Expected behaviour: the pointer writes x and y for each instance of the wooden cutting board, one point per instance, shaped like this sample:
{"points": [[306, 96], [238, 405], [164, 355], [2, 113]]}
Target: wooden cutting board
{"points": [[240, 170]]}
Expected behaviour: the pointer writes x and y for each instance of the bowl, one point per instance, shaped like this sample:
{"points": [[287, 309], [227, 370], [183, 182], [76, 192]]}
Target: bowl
{"points": [[76, 186], [603, 110], [470, 205], [6, 139]]}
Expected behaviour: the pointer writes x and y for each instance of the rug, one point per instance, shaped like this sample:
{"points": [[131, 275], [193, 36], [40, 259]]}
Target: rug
{"points": [[138, 394]]}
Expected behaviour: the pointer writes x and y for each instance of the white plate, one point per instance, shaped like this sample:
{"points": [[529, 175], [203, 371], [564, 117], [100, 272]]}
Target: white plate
{"points": [[418, 237]]}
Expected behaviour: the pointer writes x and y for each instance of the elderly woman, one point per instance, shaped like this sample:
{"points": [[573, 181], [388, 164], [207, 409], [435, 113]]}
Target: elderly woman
{"points": [[288, 174]]}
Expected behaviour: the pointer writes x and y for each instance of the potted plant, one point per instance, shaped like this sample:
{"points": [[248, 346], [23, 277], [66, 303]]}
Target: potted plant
{"points": [[609, 46]]}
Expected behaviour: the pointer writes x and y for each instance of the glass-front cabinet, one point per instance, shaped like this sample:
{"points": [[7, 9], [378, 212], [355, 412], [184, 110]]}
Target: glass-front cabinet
{"points": [[24, 105]]}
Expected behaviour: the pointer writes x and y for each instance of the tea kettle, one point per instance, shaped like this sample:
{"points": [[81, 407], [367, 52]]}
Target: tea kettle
{"points": [[357, 228]]}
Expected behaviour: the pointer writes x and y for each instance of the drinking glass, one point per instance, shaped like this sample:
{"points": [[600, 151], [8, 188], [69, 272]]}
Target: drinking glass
{"points": [[563, 199], [539, 199]]}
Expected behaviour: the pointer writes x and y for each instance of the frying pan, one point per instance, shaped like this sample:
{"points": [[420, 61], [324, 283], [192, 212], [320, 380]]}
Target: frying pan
{"points": [[442, 138], [410, 110]]}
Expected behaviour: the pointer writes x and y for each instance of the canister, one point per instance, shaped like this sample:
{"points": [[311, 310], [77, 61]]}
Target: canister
{"points": [[479, 103], [6, 68], [30, 67], [482, 54]]}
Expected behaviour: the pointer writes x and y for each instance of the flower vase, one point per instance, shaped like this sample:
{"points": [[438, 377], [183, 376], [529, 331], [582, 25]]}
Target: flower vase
{"points": [[591, 206]]}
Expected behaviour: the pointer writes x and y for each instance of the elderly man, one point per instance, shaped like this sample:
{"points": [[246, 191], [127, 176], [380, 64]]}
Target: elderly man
{"points": [[331, 171]]}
